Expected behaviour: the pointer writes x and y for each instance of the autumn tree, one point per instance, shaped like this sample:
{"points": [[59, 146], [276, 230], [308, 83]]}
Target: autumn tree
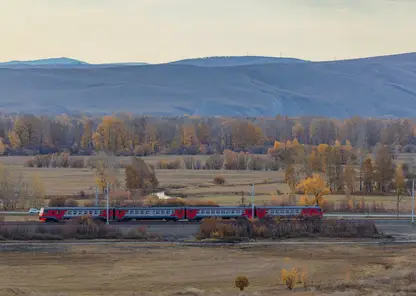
{"points": [[368, 175], [28, 130], [400, 186], [245, 134], [139, 177], [105, 171], [384, 168], [2, 147], [87, 135], [188, 136], [7, 189], [291, 178], [315, 187], [37, 192], [111, 135], [349, 177]]}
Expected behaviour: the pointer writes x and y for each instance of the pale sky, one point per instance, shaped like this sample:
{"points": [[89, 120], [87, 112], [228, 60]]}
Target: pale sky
{"points": [[103, 31]]}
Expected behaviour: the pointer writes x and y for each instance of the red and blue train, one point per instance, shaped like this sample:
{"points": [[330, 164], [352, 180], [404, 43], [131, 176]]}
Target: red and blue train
{"points": [[190, 213]]}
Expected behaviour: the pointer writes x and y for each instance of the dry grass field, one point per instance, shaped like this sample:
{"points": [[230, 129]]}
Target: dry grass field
{"points": [[195, 184], [127, 270]]}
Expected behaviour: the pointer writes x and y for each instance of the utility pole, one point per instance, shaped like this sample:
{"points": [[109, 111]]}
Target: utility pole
{"points": [[361, 176], [413, 201], [108, 198], [96, 196], [252, 200]]}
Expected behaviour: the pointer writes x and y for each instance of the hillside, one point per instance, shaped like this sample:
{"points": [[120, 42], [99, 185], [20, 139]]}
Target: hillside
{"points": [[380, 86], [44, 62], [234, 61]]}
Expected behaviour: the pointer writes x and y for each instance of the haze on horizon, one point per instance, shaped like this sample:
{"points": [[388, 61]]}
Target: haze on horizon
{"points": [[104, 31]]}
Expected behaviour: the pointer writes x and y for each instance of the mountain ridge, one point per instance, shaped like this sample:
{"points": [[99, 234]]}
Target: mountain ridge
{"points": [[371, 87]]}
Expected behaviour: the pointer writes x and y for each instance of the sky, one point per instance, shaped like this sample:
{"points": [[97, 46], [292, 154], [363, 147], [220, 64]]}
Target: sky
{"points": [[105, 31]]}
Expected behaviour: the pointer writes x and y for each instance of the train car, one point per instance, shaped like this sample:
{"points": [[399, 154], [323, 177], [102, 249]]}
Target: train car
{"points": [[193, 213], [198, 213], [56, 214], [302, 212], [149, 213]]}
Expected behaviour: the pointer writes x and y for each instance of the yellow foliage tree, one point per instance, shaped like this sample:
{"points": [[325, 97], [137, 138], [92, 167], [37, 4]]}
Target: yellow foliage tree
{"points": [[14, 139], [348, 145], [295, 142], [276, 145], [111, 135], [2, 147], [316, 187], [188, 135], [322, 148]]}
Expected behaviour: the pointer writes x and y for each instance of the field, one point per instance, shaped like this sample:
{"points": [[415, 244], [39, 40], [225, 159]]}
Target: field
{"points": [[135, 269], [195, 184]]}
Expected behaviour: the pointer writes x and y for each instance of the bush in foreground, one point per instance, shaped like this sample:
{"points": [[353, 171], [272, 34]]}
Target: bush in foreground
{"points": [[241, 282], [276, 229], [81, 228]]}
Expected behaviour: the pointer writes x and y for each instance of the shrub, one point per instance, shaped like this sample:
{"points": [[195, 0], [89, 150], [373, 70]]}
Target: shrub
{"points": [[169, 165], [219, 180], [276, 228], [58, 201], [39, 161], [214, 162], [289, 277], [76, 163], [70, 202], [241, 282]]}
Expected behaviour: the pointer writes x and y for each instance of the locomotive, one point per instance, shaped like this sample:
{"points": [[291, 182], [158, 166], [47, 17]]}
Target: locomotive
{"points": [[190, 213]]}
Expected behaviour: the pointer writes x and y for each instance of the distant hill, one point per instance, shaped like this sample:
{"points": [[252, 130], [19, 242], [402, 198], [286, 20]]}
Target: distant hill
{"points": [[235, 61], [45, 62], [377, 87]]}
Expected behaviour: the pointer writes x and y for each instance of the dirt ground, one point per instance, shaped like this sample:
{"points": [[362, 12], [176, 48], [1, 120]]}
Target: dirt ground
{"points": [[126, 270]]}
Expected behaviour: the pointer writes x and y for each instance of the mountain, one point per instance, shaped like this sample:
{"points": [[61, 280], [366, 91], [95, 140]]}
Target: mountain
{"points": [[45, 62], [377, 87], [234, 61]]}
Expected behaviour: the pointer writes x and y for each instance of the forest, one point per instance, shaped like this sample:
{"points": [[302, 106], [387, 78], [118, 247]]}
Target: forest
{"points": [[126, 135]]}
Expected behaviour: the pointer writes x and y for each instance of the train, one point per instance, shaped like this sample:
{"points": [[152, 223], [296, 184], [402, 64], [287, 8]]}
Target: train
{"points": [[178, 213]]}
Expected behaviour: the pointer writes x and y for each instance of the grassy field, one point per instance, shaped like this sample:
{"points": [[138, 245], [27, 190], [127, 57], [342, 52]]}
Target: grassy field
{"points": [[195, 184], [178, 270]]}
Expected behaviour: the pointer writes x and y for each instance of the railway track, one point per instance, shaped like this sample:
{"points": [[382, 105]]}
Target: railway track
{"points": [[185, 223]]}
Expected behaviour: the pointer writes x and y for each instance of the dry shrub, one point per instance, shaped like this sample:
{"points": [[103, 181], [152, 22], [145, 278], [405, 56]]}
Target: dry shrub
{"points": [[219, 180], [214, 162], [241, 282], [39, 161], [275, 228], [70, 202], [76, 163], [169, 165], [58, 201], [289, 277], [79, 228]]}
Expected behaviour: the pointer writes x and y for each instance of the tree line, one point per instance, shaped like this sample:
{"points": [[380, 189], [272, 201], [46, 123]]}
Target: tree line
{"points": [[124, 134]]}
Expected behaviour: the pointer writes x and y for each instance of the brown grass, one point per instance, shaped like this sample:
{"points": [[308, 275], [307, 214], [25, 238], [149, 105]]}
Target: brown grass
{"points": [[195, 184], [127, 270]]}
